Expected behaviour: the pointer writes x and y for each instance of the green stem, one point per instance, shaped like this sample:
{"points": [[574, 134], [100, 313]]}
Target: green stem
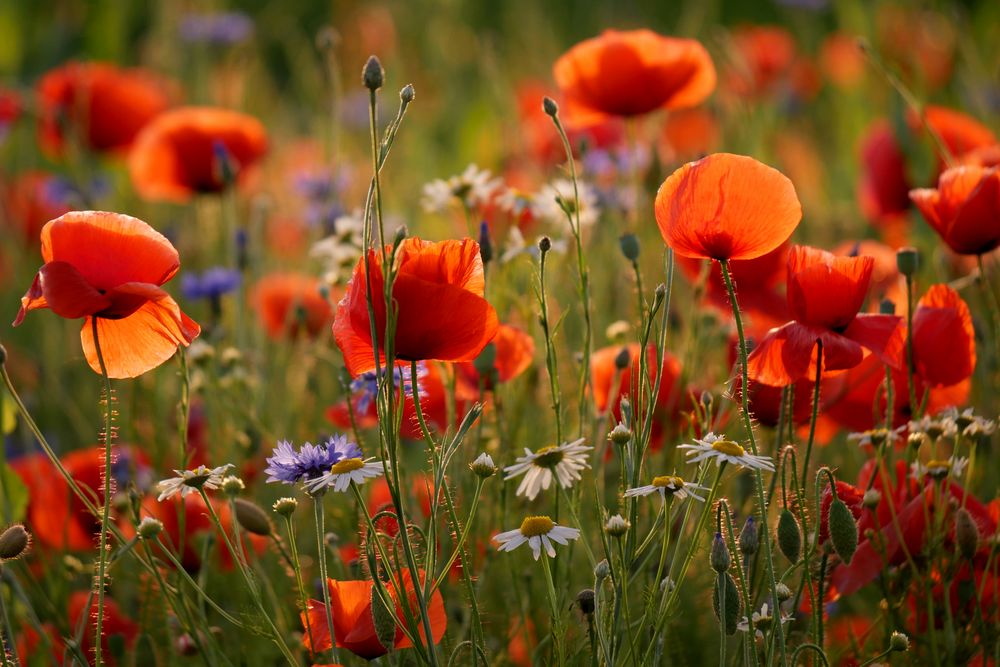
{"points": [[297, 569], [817, 381], [7, 652], [550, 355], [557, 640], [319, 521], [102, 557]]}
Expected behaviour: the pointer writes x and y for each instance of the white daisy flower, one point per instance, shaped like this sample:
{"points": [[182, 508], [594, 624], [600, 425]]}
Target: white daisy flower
{"points": [[762, 620], [717, 447], [517, 204], [537, 532], [339, 252], [345, 471], [671, 485], [559, 193], [565, 460], [971, 425], [187, 481], [471, 188], [939, 469], [941, 426], [876, 437], [517, 246]]}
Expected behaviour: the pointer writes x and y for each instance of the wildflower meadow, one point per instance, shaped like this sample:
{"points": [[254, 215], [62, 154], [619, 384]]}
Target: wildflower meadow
{"points": [[447, 333]]}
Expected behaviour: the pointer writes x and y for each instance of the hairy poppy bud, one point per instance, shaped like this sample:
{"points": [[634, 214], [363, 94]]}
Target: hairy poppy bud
{"points": [[252, 517], [966, 533], [549, 106], [629, 244], [545, 244], [843, 530], [907, 261], [789, 536], [585, 600], [407, 94], [719, 556], [384, 620], [373, 75], [14, 542], [749, 538], [724, 580], [602, 571], [623, 358], [899, 642]]}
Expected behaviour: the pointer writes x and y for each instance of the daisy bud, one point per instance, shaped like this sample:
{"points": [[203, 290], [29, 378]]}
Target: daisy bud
{"points": [[843, 531], [384, 620], [149, 528], [724, 580], [783, 591], [14, 542], [617, 331], [623, 359], [630, 246], [749, 538], [871, 499], [616, 526], [232, 485], [907, 261], [667, 585], [483, 466], [373, 75], [602, 571], [285, 506], [660, 292], [914, 440], [407, 94], [966, 533], [549, 106], [545, 244], [585, 600], [620, 434], [252, 517], [899, 642], [719, 556], [789, 536]]}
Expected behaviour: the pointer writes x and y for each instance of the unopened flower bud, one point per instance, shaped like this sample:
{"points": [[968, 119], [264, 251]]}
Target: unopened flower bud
{"points": [[623, 358], [545, 244], [871, 499], [783, 591], [384, 620], [485, 244], [232, 485], [285, 506], [724, 580], [186, 646], [549, 106], [907, 261], [616, 526], [373, 75], [629, 245], [483, 466], [899, 642], [719, 556], [585, 600], [749, 538], [887, 307], [400, 235], [617, 331], [789, 536], [666, 585], [14, 542], [602, 571], [620, 434], [407, 94], [843, 531], [149, 528], [966, 533], [252, 517]]}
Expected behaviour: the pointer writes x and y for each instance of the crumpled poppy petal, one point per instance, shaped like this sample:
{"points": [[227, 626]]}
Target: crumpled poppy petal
{"points": [[944, 341], [66, 292], [825, 290], [885, 335], [725, 207], [140, 342], [783, 355]]}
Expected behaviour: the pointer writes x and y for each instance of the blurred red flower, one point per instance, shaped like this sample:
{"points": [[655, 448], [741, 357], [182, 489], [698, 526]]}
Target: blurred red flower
{"points": [[29, 202], [115, 623], [944, 341], [513, 349], [583, 126], [960, 132], [688, 134], [634, 72], [291, 304], [762, 58], [964, 209], [110, 266], [883, 186]]}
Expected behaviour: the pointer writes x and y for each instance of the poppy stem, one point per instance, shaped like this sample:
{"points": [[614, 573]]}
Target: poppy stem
{"points": [[319, 519], [765, 538], [817, 381], [107, 483], [7, 649], [550, 355], [297, 569]]}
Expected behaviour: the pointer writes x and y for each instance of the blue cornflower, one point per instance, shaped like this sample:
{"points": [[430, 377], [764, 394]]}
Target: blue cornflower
{"points": [[365, 386], [310, 462], [211, 284]]}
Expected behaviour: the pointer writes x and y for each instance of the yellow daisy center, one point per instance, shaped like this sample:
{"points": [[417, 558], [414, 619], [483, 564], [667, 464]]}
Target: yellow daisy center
{"points": [[347, 465], [670, 483], [728, 447], [939, 465], [549, 457], [534, 526]]}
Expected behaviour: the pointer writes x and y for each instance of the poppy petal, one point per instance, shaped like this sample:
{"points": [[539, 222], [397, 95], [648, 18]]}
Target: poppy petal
{"points": [[783, 355], [885, 335], [825, 290], [944, 341]]}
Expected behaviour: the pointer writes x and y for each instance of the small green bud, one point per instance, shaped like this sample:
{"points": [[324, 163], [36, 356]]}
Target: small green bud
{"points": [[783, 591], [545, 244], [789, 536], [585, 601], [843, 531], [871, 499], [899, 642], [629, 244], [907, 261], [407, 94], [966, 534], [602, 571], [232, 485], [285, 506], [483, 466], [149, 528], [373, 75], [719, 556], [620, 434], [732, 601], [252, 517], [14, 542], [549, 106], [623, 358]]}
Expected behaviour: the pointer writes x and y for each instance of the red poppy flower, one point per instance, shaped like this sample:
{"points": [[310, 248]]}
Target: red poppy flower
{"points": [[825, 294], [115, 624], [763, 57], [29, 201], [10, 109], [964, 209], [178, 154], [886, 281], [102, 106], [726, 207], [353, 623], [110, 267], [884, 186], [960, 132], [514, 350], [634, 72], [441, 316], [984, 156], [583, 126], [291, 304], [944, 342]]}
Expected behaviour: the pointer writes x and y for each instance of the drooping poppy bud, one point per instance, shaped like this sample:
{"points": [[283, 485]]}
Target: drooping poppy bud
{"points": [[789, 536]]}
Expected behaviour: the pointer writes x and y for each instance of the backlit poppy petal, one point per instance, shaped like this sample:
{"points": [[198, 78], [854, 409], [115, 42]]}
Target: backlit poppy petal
{"points": [[884, 335], [944, 341], [726, 207], [788, 354], [964, 209], [825, 290], [959, 131], [140, 342], [65, 292]]}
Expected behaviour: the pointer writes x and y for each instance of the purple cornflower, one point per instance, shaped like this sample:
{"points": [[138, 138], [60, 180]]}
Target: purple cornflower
{"points": [[321, 189], [365, 386], [211, 284], [221, 29], [310, 462], [64, 191]]}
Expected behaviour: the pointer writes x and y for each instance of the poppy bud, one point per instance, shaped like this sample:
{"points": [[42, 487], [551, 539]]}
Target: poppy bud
{"points": [[373, 75], [585, 600], [886, 307], [732, 601], [899, 642], [907, 261], [843, 530], [616, 526], [485, 245], [149, 528], [623, 358], [407, 94], [789, 536], [871, 499], [549, 106], [384, 620], [285, 506], [749, 538], [327, 38], [630, 246], [602, 571], [545, 244], [620, 434], [707, 399], [186, 645], [966, 533], [14, 542], [719, 556], [252, 517]]}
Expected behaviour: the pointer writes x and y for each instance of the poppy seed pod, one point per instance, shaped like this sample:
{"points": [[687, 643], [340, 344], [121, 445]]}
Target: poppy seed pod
{"points": [[907, 261], [629, 244], [373, 75], [732, 602], [252, 518], [966, 533], [843, 531], [719, 556], [789, 536], [585, 600], [14, 542]]}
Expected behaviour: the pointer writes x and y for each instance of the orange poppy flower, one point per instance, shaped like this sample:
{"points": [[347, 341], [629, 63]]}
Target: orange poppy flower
{"points": [[29, 203], [514, 350], [842, 60], [634, 72], [177, 155], [442, 314], [944, 342], [762, 58], [964, 209], [291, 304], [726, 206], [353, 623], [102, 106], [825, 295], [110, 266], [960, 132]]}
